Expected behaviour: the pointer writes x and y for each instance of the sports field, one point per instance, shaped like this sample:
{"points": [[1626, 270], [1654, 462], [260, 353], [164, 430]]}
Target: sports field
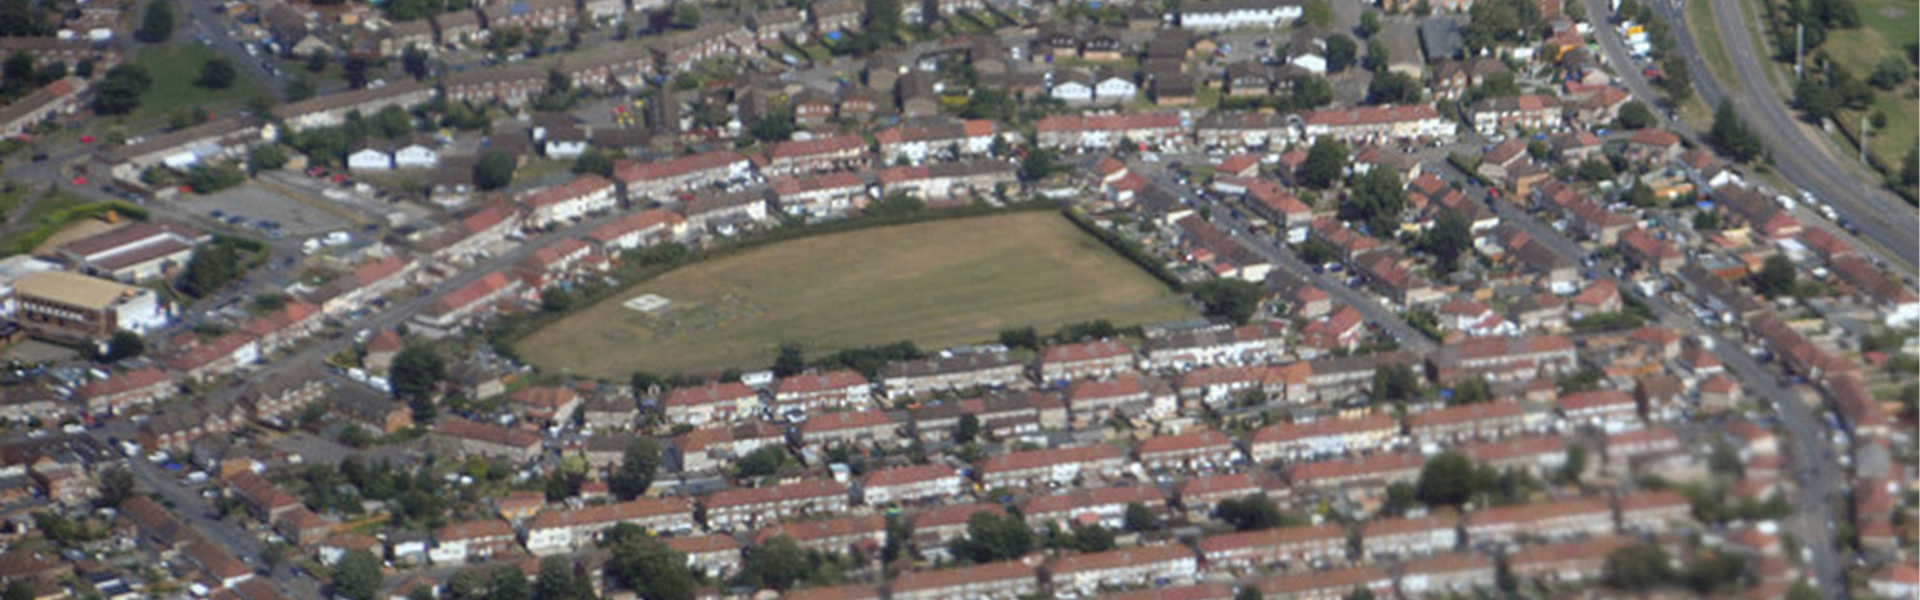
{"points": [[939, 284]]}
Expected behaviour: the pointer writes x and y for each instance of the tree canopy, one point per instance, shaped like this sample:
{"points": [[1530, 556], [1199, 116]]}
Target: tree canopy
{"points": [[357, 576], [637, 468], [1232, 299]]}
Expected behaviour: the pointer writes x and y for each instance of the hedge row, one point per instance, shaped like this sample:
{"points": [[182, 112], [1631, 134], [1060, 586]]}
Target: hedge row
{"points": [[1127, 248]]}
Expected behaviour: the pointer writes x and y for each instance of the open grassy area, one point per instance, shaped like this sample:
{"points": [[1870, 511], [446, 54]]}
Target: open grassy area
{"points": [[939, 284], [1889, 27], [174, 67]]}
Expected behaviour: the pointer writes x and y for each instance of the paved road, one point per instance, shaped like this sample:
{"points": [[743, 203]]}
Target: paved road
{"points": [[1794, 165], [1410, 339], [208, 28], [1814, 464], [196, 512], [1809, 163]]}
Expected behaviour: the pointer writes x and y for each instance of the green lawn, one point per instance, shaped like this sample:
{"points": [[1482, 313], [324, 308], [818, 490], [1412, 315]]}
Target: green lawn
{"points": [[1889, 28], [939, 284], [174, 67]]}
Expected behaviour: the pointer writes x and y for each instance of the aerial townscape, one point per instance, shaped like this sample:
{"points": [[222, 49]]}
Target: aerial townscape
{"points": [[959, 299]]}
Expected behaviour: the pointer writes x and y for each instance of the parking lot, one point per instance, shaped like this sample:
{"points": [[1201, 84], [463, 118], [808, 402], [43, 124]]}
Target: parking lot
{"points": [[258, 210]]}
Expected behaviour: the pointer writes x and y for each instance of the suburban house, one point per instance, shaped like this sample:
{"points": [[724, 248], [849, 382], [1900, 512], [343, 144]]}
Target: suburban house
{"points": [[710, 403], [911, 484]]}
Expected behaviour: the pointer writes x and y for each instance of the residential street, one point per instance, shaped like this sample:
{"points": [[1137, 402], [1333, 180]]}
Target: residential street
{"points": [[1411, 339], [1812, 460]]}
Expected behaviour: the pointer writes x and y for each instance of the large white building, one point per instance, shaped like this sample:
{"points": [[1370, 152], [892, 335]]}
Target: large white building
{"points": [[1234, 14]]}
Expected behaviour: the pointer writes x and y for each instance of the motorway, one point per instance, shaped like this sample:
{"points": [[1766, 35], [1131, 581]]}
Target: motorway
{"points": [[1883, 218], [1814, 464], [1409, 338]]}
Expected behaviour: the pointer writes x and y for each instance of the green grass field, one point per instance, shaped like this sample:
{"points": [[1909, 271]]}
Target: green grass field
{"points": [[174, 67], [1889, 27], [939, 284]]}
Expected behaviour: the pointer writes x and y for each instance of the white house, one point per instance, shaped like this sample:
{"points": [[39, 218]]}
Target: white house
{"points": [[1072, 88], [370, 159], [1234, 14], [416, 156], [1311, 63], [1115, 88]]}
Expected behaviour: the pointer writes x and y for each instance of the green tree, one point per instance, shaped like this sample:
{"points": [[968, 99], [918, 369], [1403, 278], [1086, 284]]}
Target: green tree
{"points": [[156, 24], [1594, 169], [357, 71], [1377, 56], [357, 576], [317, 61], [1731, 135], [508, 583], [1634, 115], [1091, 538], [595, 161], [217, 74], [1636, 568], [1231, 299], [266, 157], [207, 179], [777, 563], [18, 589], [1472, 390], [391, 123], [1641, 195], [1817, 99], [761, 462], [116, 486], [124, 345], [494, 171], [1707, 220], [1394, 383], [1249, 592], [211, 269], [1309, 92], [1369, 23], [1777, 277], [1675, 79], [1449, 239], [1341, 50], [638, 465], [561, 580], [1138, 518], [1249, 513], [416, 372], [684, 16], [992, 537], [1446, 480], [1377, 199], [1394, 88], [652, 570], [967, 430], [119, 92], [1575, 465], [1325, 160], [789, 361], [1024, 337], [1040, 163], [415, 62]]}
